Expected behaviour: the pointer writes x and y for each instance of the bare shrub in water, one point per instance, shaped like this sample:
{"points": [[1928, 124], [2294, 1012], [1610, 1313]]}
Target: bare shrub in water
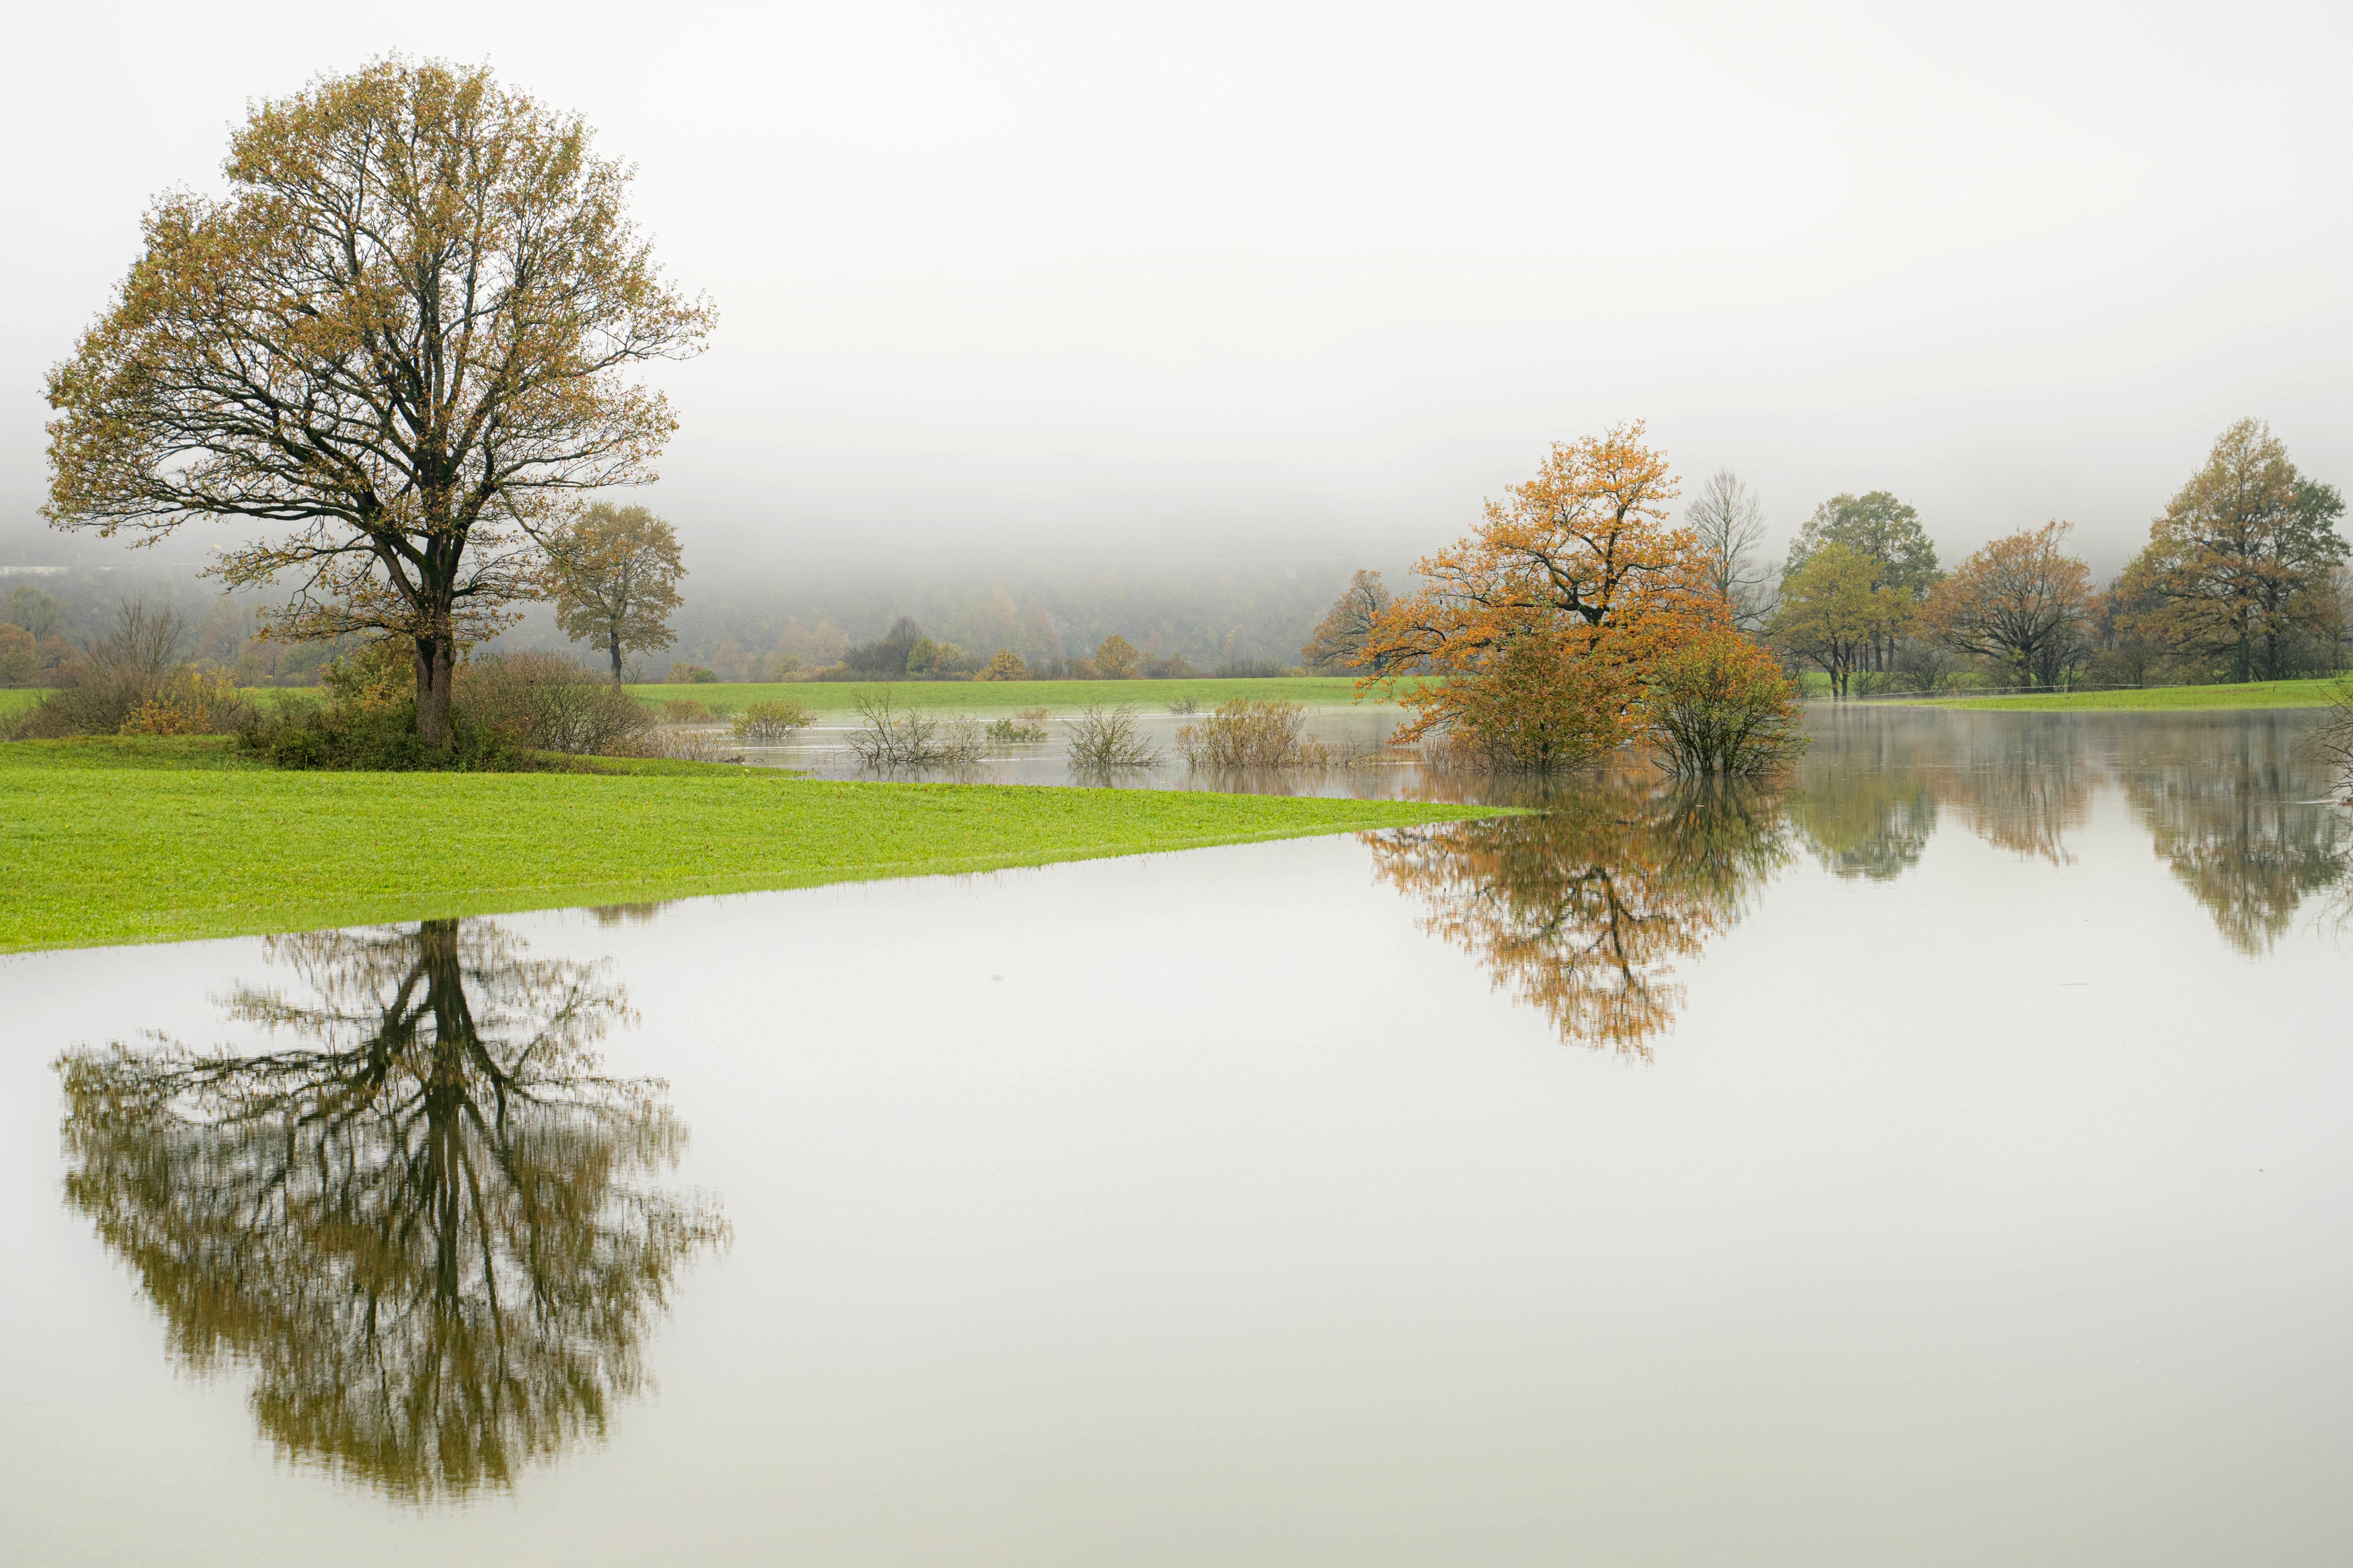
{"points": [[687, 746], [550, 703], [1105, 739], [893, 739], [1244, 733], [683, 711], [768, 723], [2331, 744]]}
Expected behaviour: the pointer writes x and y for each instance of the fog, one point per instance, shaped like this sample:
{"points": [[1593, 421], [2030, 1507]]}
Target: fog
{"points": [[1009, 284]]}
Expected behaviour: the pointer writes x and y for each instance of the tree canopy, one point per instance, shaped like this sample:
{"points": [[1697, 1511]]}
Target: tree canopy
{"points": [[1338, 642], [1833, 612], [615, 573], [2019, 600], [408, 333], [2242, 559], [1878, 527], [1542, 622]]}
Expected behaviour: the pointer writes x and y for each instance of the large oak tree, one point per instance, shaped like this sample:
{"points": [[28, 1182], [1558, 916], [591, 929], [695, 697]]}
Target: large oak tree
{"points": [[2019, 600], [2243, 559], [409, 334]]}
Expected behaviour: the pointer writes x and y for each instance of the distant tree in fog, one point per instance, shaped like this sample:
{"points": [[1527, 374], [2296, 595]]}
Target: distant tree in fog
{"points": [[1730, 523], [1337, 643], [1117, 658], [615, 571]]}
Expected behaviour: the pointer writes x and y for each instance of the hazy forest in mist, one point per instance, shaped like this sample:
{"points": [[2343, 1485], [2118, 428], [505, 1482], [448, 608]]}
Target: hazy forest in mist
{"points": [[736, 613]]}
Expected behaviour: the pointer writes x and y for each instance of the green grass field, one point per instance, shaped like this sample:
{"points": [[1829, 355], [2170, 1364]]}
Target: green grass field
{"points": [[994, 696], [111, 841], [2154, 698]]}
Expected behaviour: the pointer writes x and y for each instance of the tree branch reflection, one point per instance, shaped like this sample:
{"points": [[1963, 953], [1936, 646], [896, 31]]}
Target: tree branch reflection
{"points": [[428, 1224], [1585, 911]]}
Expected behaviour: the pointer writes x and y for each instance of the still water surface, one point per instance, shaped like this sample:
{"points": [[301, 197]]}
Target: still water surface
{"points": [[1941, 1160]]}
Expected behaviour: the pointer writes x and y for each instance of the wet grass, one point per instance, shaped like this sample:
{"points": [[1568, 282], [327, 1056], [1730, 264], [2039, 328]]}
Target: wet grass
{"points": [[2162, 699], [119, 841]]}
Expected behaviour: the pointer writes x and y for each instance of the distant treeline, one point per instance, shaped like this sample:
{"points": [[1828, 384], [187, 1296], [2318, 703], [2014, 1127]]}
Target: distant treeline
{"points": [[739, 623], [1246, 618]]}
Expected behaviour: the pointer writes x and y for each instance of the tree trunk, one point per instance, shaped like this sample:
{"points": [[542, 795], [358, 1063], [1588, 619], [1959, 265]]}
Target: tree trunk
{"points": [[617, 655], [437, 661]]}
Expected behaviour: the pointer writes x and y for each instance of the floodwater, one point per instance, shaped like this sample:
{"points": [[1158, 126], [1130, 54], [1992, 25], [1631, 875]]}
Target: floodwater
{"points": [[1942, 1160]]}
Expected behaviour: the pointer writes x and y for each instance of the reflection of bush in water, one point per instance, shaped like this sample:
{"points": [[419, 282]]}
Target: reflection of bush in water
{"points": [[1584, 910], [427, 1223]]}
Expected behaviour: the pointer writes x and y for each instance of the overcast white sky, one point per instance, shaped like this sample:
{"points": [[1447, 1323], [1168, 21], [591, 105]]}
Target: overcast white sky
{"points": [[1265, 280]]}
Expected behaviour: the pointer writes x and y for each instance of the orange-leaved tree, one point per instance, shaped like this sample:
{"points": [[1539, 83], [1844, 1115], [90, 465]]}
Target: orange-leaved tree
{"points": [[2020, 600], [1543, 626], [1542, 622]]}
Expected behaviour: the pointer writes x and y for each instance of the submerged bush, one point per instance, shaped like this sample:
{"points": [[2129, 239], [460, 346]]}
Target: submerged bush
{"points": [[1026, 726], [683, 711], [890, 737], [2332, 742], [767, 723], [1720, 705], [1244, 733], [1105, 739]]}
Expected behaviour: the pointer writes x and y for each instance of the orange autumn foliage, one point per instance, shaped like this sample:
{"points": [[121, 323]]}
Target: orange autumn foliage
{"points": [[1544, 625]]}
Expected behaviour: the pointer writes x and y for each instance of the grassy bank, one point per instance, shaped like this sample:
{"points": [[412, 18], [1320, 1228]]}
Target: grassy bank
{"points": [[113, 841], [976, 696], [2157, 698]]}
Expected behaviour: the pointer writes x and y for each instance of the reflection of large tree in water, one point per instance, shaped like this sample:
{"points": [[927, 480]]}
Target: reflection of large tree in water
{"points": [[2229, 807], [1585, 910], [1868, 793], [429, 1227]]}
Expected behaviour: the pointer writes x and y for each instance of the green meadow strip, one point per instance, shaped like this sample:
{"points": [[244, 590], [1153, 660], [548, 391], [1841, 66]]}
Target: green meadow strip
{"points": [[104, 843]]}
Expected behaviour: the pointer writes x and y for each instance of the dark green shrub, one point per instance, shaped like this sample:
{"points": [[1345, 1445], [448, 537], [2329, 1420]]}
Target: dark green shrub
{"points": [[380, 739]]}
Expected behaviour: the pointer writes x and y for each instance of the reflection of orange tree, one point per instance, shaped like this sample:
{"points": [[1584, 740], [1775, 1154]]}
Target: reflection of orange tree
{"points": [[2026, 792], [426, 1226], [1585, 909]]}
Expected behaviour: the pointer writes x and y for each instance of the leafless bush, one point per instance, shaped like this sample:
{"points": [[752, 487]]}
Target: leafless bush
{"points": [[550, 703], [685, 746], [2331, 744], [1105, 740], [1185, 705], [768, 723], [1244, 733], [133, 681], [891, 739], [683, 711]]}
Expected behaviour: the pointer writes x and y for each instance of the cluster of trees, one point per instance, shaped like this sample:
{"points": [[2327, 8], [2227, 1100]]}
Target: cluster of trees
{"points": [[1587, 910], [2244, 578], [33, 646]]}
